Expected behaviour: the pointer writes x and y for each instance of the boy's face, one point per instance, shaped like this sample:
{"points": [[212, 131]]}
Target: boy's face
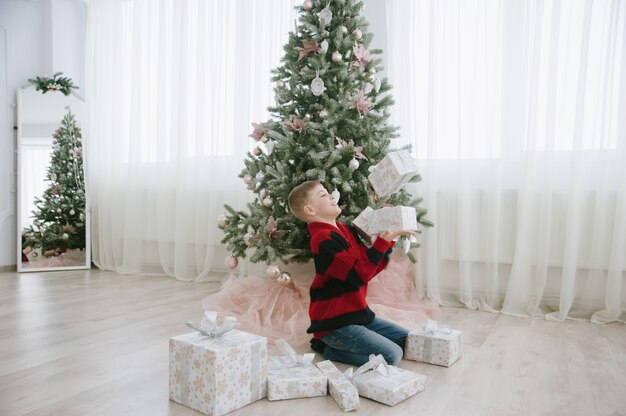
{"points": [[321, 205]]}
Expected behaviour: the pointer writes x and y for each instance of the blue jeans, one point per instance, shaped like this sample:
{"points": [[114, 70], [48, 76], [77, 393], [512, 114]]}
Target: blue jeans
{"points": [[353, 344]]}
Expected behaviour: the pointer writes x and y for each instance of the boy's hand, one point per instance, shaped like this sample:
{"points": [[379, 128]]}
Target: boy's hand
{"points": [[392, 235]]}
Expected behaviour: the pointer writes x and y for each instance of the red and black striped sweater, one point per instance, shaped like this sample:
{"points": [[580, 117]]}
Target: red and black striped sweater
{"points": [[343, 267]]}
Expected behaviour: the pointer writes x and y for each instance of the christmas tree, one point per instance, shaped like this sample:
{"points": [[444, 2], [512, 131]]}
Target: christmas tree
{"points": [[59, 215], [329, 124]]}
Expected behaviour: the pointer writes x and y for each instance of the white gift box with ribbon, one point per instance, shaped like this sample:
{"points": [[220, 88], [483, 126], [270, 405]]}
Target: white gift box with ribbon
{"points": [[341, 390], [433, 344], [393, 172], [292, 376], [374, 222], [385, 383], [218, 368]]}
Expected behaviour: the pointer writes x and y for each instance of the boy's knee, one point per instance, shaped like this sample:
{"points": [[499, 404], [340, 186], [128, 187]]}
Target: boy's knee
{"points": [[394, 355]]}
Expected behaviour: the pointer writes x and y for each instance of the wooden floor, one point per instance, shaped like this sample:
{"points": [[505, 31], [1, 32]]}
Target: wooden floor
{"points": [[96, 343]]}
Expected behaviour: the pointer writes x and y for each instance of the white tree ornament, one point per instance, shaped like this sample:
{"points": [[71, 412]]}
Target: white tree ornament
{"points": [[325, 16], [317, 85]]}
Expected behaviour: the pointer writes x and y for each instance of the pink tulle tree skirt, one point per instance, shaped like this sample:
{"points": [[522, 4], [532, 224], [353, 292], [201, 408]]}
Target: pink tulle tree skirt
{"points": [[265, 307]]}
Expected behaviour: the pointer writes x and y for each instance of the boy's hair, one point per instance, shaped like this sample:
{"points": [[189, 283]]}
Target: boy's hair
{"points": [[298, 198]]}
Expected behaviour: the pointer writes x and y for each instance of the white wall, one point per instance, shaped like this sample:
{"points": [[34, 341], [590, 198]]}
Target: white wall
{"points": [[37, 37]]}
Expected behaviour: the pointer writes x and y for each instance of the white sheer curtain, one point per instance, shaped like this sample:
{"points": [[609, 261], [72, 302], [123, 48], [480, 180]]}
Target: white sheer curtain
{"points": [[516, 111], [173, 86]]}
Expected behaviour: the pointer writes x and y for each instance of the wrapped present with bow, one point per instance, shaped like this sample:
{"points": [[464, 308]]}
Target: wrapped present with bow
{"points": [[393, 172], [292, 376], [340, 388], [217, 368], [385, 383], [433, 344], [374, 222]]}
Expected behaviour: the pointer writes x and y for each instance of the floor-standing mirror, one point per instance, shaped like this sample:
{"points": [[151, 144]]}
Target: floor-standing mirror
{"points": [[53, 219]]}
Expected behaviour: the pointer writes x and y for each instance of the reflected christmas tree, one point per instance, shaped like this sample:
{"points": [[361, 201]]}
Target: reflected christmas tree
{"points": [[59, 215]]}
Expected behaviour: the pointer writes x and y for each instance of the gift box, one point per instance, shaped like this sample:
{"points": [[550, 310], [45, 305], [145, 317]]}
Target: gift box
{"points": [[385, 383], [434, 345], [393, 172], [216, 372], [339, 387], [374, 222], [361, 222], [293, 376]]}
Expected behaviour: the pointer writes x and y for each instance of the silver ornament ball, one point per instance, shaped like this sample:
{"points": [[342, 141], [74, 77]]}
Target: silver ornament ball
{"points": [[323, 114], [222, 221], [336, 57], [353, 164], [284, 278], [307, 5], [231, 262], [357, 34], [273, 271]]}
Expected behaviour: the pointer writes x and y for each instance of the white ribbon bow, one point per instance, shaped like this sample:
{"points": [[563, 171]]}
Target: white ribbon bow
{"points": [[210, 328], [375, 363], [431, 328], [290, 358]]}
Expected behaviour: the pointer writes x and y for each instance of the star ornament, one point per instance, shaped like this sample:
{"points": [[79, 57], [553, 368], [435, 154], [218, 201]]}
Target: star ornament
{"points": [[309, 47], [361, 103]]}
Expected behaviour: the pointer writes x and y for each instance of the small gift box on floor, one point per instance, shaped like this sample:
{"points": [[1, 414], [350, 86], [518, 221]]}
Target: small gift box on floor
{"points": [[340, 388], [217, 369], [393, 172], [434, 345], [385, 383], [293, 376], [374, 222]]}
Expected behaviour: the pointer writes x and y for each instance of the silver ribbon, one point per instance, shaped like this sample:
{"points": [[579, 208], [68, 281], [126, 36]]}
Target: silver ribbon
{"points": [[255, 367], [290, 358], [428, 349], [431, 328], [375, 363], [209, 327]]}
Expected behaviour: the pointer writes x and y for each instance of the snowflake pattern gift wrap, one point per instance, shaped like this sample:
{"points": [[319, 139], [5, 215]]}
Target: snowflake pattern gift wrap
{"points": [[434, 345], [216, 375], [393, 172], [374, 222], [293, 376], [340, 388], [385, 383]]}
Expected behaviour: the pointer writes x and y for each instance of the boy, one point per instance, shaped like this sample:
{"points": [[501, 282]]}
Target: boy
{"points": [[343, 326]]}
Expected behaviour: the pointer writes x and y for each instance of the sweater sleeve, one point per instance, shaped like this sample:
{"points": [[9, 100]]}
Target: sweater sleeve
{"points": [[385, 256], [334, 258]]}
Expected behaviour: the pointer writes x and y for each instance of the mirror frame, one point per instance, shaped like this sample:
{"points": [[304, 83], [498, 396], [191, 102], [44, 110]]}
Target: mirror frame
{"points": [[57, 102]]}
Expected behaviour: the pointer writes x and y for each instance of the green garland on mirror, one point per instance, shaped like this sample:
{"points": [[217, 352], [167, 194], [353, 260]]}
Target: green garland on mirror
{"points": [[56, 83]]}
